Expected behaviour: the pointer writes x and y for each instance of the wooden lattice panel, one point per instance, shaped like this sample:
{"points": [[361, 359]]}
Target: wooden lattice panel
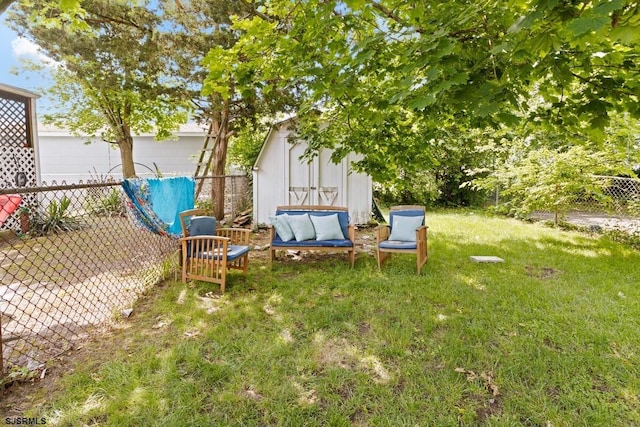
{"points": [[17, 170], [14, 119]]}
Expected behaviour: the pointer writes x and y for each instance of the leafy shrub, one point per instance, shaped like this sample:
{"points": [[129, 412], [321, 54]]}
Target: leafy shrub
{"points": [[110, 204], [55, 219], [206, 204], [631, 239], [551, 180], [420, 189]]}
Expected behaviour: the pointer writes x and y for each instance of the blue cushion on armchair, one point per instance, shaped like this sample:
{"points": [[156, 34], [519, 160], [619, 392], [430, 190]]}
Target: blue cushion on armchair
{"points": [[404, 228], [202, 226]]}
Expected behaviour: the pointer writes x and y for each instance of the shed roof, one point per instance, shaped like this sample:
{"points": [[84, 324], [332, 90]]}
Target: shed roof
{"points": [[272, 129]]}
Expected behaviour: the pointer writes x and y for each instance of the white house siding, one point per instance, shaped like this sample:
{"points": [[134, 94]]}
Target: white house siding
{"points": [[67, 158], [281, 178]]}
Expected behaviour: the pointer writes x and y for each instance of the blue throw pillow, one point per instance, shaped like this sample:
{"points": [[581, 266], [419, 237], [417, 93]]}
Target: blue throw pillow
{"points": [[281, 224], [302, 227], [404, 227], [327, 227], [202, 226]]}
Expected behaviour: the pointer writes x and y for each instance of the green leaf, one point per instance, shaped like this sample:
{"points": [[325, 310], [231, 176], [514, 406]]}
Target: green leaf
{"points": [[626, 34], [501, 48], [69, 5], [421, 102], [585, 25], [607, 6], [364, 56], [355, 4]]}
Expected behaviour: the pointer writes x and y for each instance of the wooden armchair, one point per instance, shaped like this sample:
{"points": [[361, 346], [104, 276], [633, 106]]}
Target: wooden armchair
{"points": [[208, 252], [406, 233]]}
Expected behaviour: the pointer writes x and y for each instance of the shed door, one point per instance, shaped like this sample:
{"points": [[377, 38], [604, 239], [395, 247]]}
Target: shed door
{"points": [[299, 177], [316, 183], [329, 180]]}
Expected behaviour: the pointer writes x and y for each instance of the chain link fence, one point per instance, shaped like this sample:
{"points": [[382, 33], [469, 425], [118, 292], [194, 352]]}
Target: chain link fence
{"points": [[616, 205], [71, 263]]}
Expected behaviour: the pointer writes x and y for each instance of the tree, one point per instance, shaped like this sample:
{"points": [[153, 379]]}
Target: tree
{"points": [[553, 180], [389, 79], [112, 80], [198, 26]]}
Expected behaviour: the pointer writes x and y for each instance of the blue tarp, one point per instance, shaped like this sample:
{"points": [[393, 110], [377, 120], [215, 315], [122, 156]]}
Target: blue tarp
{"points": [[155, 203]]}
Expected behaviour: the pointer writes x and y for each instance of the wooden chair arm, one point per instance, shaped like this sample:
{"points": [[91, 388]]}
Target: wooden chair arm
{"points": [[421, 233], [352, 233], [219, 239], [237, 236], [382, 233]]}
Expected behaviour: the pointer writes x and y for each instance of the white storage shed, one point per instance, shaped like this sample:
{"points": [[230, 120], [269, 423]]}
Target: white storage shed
{"points": [[281, 177]]}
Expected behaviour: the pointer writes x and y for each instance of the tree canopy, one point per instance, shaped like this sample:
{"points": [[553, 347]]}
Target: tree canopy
{"points": [[403, 83], [112, 79], [410, 86]]}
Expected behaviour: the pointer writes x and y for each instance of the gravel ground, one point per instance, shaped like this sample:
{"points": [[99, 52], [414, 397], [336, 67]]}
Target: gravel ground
{"points": [[595, 221]]}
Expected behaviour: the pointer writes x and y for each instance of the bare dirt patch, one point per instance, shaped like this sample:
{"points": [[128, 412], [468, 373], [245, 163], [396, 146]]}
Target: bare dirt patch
{"points": [[544, 273]]}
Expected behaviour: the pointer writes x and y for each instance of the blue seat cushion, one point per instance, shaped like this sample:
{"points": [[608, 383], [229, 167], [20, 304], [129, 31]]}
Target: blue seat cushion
{"points": [[233, 252], [236, 251], [338, 243], [397, 244]]}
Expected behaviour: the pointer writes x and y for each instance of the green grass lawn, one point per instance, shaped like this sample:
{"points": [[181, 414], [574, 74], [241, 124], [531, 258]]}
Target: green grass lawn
{"points": [[550, 337]]}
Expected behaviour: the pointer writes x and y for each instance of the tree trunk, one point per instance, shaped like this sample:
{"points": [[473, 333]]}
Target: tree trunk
{"points": [[218, 164], [126, 156], [4, 5]]}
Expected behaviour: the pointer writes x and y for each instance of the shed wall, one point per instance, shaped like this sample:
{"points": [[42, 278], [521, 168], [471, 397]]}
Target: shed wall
{"points": [[279, 169]]}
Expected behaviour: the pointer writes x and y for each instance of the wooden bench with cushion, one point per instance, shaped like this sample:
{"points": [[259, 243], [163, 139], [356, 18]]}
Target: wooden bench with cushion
{"points": [[312, 228]]}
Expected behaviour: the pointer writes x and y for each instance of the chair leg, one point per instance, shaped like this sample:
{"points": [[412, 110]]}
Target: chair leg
{"points": [[184, 262], [352, 257], [382, 257], [421, 260], [245, 264]]}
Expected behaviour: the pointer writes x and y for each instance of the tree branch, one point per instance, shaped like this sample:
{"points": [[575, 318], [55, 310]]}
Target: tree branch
{"points": [[257, 12], [103, 19], [391, 15]]}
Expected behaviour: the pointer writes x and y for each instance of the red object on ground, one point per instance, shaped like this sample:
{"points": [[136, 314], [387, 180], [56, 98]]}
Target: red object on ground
{"points": [[8, 205]]}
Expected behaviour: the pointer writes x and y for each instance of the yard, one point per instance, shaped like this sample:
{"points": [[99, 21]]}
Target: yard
{"points": [[547, 338]]}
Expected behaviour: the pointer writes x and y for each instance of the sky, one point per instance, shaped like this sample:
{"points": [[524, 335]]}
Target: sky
{"points": [[12, 48]]}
